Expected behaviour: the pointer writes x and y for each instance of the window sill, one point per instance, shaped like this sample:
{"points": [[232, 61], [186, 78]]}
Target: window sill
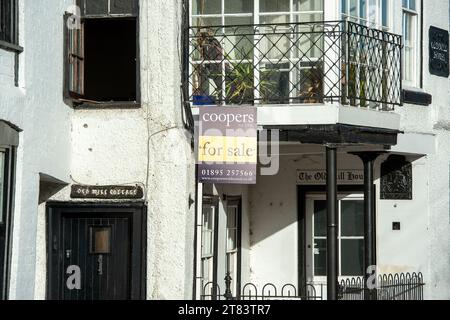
{"points": [[107, 105], [10, 47]]}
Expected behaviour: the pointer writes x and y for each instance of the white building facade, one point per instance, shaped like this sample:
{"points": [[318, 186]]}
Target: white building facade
{"points": [[338, 80], [98, 174]]}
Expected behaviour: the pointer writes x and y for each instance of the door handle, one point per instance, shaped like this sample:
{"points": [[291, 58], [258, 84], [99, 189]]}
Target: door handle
{"points": [[68, 254]]}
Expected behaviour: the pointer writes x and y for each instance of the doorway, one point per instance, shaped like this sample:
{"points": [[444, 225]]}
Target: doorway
{"points": [[350, 237], [96, 252]]}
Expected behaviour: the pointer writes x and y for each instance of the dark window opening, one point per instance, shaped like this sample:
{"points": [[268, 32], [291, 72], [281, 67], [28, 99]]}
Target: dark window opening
{"points": [[110, 60], [102, 62]]}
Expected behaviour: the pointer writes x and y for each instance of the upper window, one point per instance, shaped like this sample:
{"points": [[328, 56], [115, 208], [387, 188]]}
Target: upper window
{"points": [[372, 13], [8, 22], [410, 39], [101, 54], [239, 12]]}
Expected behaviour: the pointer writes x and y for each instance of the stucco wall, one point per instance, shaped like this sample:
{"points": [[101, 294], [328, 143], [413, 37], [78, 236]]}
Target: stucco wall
{"points": [[37, 108], [150, 147]]}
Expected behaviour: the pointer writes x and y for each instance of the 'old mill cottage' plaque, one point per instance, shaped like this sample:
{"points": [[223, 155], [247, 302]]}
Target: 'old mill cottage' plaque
{"points": [[106, 192]]}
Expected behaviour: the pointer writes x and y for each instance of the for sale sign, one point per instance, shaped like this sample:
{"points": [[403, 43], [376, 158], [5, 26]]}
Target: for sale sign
{"points": [[227, 145]]}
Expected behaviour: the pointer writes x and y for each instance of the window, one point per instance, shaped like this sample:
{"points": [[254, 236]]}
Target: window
{"points": [[288, 63], [101, 54], [8, 143], [410, 39], [8, 22], [351, 237], [372, 13], [233, 243], [209, 245]]}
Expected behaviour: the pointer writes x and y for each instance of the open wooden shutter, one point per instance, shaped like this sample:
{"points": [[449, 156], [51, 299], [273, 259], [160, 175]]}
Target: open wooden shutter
{"points": [[74, 59]]}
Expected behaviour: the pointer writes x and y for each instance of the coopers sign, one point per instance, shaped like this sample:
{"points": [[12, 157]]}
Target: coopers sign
{"points": [[227, 145]]}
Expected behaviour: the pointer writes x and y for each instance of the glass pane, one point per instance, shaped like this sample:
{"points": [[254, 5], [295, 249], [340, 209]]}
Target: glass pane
{"points": [[352, 257], [373, 11], [362, 9], [238, 6], [344, 6], [352, 218], [96, 7], [204, 22], [354, 8], [208, 218], [2, 180], [231, 217], [275, 46], [206, 6], [207, 243], [123, 6], [231, 240], [310, 84], [412, 4], [100, 240], [274, 82], [320, 257], [274, 5], [238, 43], [385, 13], [320, 218], [308, 5]]}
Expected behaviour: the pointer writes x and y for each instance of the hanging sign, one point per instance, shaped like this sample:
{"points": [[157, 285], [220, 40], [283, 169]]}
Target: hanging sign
{"points": [[319, 177], [227, 145], [439, 55]]}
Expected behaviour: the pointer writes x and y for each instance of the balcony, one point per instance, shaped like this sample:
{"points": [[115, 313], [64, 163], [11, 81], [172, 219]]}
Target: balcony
{"points": [[312, 64]]}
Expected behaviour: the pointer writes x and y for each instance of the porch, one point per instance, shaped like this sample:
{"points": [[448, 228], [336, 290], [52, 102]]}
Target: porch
{"points": [[269, 240]]}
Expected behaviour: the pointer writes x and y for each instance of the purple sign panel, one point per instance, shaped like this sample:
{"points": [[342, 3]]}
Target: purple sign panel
{"points": [[227, 145]]}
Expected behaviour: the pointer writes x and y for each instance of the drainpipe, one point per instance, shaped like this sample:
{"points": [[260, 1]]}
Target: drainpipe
{"points": [[332, 224]]}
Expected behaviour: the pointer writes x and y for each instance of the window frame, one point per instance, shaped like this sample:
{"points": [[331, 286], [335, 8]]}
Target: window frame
{"points": [[416, 15], [378, 23], [7, 209], [255, 16], [234, 203], [75, 99], [311, 198], [13, 30]]}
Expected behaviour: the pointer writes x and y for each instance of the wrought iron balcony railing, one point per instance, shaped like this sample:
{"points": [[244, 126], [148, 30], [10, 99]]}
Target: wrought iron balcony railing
{"points": [[315, 62]]}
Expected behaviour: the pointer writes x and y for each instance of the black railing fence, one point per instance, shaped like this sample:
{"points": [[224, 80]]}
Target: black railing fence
{"points": [[403, 286], [269, 291], [313, 62]]}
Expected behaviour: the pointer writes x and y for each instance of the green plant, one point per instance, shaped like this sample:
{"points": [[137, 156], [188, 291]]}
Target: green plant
{"points": [[240, 84]]}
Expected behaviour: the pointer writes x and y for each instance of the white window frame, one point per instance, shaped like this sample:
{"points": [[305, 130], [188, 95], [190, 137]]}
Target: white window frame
{"points": [[376, 23], [415, 72], [257, 16], [312, 278]]}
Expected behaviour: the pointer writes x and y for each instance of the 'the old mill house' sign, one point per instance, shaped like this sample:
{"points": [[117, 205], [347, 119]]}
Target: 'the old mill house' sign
{"points": [[439, 55], [106, 192]]}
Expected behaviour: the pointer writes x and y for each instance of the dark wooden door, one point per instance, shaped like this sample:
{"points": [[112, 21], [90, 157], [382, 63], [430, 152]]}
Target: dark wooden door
{"points": [[95, 250], [100, 247]]}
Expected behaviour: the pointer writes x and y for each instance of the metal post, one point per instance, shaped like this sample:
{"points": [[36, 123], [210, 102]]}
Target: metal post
{"points": [[228, 294], [332, 225], [368, 159]]}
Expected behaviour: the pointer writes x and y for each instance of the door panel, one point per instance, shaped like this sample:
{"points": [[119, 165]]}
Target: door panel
{"points": [[100, 248], [96, 253]]}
